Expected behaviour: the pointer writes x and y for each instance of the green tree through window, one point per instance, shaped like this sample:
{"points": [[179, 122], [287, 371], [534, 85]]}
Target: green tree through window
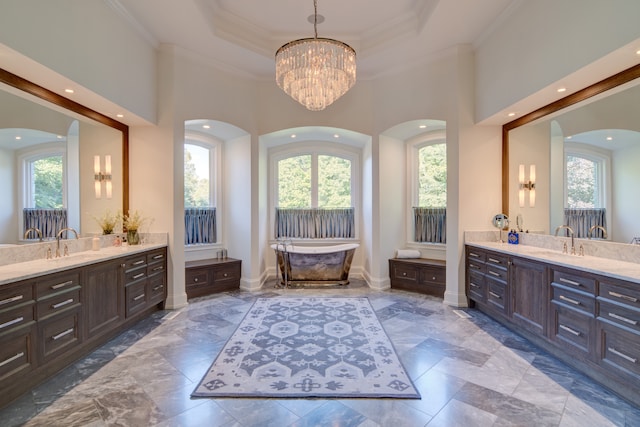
{"points": [[47, 175], [432, 175], [332, 175], [196, 176], [582, 183]]}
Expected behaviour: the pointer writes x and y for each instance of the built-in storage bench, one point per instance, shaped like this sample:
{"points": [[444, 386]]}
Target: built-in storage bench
{"points": [[590, 321], [208, 276], [427, 276], [50, 320]]}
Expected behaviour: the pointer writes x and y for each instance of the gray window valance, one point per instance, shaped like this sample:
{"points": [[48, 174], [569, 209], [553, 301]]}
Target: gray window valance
{"points": [[200, 226], [582, 219], [48, 221], [315, 223], [430, 225]]}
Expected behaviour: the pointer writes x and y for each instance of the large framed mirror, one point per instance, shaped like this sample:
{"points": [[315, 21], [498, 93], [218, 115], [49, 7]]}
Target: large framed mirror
{"points": [[57, 158], [585, 149]]}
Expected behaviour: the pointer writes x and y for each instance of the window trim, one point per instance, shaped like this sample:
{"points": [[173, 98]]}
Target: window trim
{"points": [[600, 156], [315, 149], [25, 158], [215, 147], [413, 147]]}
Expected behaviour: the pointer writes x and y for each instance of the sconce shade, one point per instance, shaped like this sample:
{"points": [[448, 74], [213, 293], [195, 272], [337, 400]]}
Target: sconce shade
{"points": [[100, 177]]}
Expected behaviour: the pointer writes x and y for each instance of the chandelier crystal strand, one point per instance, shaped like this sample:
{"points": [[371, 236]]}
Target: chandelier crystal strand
{"points": [[316, 71]]}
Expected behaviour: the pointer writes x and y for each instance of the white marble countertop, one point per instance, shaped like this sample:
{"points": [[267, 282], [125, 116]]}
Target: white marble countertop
{"points": [[617, 269], [25, 270]]}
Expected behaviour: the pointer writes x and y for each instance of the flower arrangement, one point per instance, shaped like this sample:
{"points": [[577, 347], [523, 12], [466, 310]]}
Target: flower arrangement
{"points": [[133, 220], [108, 221]]}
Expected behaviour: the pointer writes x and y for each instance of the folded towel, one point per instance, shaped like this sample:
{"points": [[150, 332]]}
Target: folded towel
{"points": [[407, 253]]}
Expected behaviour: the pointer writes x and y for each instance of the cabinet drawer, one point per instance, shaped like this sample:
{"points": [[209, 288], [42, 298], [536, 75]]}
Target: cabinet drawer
{"points": [[496, 272], [476, 255], [437, 276], [619, 314], [136, 275], [497, 260], [58, 303], [58, 335], [477, 290], [475, 265], [496, 294], [227, 273], [620, 292], [156, 257], [620, 351], [574, 281], [155, 269], [157, 287], [405, 273], [15, 295], [135, 262], [576, 300], [572, 329], [197, 277], [135, 297], [16, 357], [17, 317], [58, 283]]}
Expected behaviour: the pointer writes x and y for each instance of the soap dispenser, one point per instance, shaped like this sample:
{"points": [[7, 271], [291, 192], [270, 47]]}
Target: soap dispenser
{"points": [[514, 237]]}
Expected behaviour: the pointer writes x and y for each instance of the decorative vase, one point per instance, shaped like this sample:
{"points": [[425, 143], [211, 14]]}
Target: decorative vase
{"points": [[133, 238], [107, 231]]}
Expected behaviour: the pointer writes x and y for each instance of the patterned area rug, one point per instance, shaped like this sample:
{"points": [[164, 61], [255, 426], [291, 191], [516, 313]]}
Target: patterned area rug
{"points": [[308, 347]]}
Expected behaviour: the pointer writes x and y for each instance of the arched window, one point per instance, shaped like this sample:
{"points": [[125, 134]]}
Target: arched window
{"points": [[315, 190], [201, 183], [43, 189], [585, 187], [428, 165]]}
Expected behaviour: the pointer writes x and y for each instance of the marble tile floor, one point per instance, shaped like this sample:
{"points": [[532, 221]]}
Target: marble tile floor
{"points": [[471, 371]]}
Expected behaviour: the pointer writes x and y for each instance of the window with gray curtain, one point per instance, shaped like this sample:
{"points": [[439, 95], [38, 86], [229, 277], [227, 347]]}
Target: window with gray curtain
{"points": [[48, 221], [430, 225], [582, 219], [315, 223], [200, 226]]}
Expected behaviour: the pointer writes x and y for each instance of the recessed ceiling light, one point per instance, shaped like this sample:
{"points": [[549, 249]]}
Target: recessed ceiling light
{"points": [[609, 138], [422, 126], [206, 127], [18, 137], [69, 90], [59, 136], [119, 116], [569, 137], [511, 114], [562, 89], [293, 135], [335, 135], [638, 52]]}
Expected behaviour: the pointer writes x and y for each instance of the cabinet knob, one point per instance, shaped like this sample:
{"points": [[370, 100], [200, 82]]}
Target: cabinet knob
{"points": [[225, 274], [404, 274], [123, 265], [433, 278], [195, 280]]}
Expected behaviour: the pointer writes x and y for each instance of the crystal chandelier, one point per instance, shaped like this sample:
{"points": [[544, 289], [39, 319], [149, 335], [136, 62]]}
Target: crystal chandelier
{"points": [[316, 71]]}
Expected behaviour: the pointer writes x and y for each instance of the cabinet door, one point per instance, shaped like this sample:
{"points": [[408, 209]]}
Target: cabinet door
{"points": [[528, 286], [103, 298]]}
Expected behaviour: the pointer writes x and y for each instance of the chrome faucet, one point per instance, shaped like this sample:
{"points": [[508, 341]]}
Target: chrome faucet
{"points": [[35, 230], [570, 230], [593, 227], [58, 239]]}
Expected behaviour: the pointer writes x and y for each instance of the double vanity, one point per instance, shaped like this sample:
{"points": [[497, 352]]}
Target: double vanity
{"points": [[585, 310], [54, 311]]}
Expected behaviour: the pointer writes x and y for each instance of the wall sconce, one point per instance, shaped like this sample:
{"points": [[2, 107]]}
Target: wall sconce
{"points": [[101, 177], [527, 185]]}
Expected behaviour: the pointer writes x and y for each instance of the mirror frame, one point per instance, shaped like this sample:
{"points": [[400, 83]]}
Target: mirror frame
{"points": [[31, 88], [616, 80]]}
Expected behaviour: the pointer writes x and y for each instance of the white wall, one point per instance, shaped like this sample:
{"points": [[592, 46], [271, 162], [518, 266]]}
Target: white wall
{"points": [[545, 40], [626, 196], [87, 42]]}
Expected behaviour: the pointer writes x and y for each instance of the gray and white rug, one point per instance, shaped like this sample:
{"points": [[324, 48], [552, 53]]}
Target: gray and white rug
{"points": [[308, 347]]}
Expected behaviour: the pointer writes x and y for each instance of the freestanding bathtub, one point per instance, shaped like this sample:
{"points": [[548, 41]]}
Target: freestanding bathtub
{"points": [[314, 265]]}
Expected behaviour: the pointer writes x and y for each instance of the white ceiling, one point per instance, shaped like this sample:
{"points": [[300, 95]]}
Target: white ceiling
{"points": [[243, 35]]}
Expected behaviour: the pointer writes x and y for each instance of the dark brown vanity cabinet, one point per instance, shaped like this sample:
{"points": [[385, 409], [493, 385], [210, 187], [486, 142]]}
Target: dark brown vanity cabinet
{"points": [[49, 321], [427, 276], [590, 321]]}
